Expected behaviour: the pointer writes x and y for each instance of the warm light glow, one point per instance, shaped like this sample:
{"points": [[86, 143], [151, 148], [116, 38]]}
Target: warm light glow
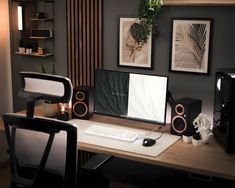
{"points": [[62, 106], [20, 18]]}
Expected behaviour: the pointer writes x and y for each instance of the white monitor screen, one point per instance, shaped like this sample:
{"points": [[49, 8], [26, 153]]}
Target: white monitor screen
{"points": [[147, 97]]}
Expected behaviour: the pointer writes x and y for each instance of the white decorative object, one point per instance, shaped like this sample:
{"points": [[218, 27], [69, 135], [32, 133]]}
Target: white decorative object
{"points": [[187, 139], [202, 125], [21, 49], [197, 142]]}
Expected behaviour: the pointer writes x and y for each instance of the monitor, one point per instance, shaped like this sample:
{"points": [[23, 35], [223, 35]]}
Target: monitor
{"points": [[131, 95]]}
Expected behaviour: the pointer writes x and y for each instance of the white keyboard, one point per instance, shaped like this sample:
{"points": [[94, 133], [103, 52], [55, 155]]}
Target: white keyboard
{"points": [[118, 133]]}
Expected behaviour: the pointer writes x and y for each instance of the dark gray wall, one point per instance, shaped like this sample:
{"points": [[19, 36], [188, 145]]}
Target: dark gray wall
{"points": [[180, 84], [29, 63]]}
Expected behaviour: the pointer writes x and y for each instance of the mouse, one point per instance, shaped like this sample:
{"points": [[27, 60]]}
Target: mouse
{"points": [[148, 142]]}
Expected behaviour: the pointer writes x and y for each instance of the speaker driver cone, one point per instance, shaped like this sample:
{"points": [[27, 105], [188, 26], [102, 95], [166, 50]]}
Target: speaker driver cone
{"points": [[80, 109], [179, 124]]}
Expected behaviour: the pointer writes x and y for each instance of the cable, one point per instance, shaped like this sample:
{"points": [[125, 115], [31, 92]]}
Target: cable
{"points": [[151, 131], [159, 136]]}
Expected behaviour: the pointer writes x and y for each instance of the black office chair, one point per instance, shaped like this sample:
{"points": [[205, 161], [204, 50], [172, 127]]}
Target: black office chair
{"points": [[43, 152], [38, 172]]}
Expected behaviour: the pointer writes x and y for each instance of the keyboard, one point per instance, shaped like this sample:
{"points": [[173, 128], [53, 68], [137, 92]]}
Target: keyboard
{"points": [[118, 133]]}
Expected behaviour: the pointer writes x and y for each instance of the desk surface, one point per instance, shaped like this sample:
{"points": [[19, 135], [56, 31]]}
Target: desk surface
{"points": [[209, 159]]}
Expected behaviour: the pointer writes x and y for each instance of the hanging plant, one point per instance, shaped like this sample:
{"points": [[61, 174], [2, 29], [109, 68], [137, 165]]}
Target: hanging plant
{"points": [[148, 12]]}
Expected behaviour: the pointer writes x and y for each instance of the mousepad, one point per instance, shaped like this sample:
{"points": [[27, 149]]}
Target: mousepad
{"points": [[165, 141]]}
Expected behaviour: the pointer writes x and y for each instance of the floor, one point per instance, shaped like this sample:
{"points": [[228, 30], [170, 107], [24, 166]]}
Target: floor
{"points": [[5, 180]]}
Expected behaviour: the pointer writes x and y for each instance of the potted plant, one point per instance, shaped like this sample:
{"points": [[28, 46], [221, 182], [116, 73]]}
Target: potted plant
{"points": [[50, 108], [21, 47], [29, 49], [148, 12], [187, 137], [197, 139]]}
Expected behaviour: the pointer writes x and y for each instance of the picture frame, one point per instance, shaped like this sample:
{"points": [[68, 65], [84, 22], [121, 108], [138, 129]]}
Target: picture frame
{"points": [[190, 45], [132, 53]]}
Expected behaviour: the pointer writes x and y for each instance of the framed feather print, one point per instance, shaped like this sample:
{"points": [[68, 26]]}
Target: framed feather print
{"points": [[133, 52], [190, 45]]}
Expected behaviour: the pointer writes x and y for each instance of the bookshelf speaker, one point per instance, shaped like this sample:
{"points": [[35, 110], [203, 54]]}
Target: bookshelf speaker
{"points": [[83, 102], [184, 111]]}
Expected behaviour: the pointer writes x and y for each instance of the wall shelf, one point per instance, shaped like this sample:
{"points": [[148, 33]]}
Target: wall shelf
{"points": [[40, 38], [198, 2], [34, 54], [42, 20]]}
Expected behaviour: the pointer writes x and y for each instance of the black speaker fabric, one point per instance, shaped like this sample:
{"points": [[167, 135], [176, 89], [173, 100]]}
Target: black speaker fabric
{"points": [[83, 102], [184, 111]]}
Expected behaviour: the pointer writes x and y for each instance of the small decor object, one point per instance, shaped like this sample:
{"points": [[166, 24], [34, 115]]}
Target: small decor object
{"points": [[190, 45], [133, 52], [40, 15], [202, 125], [41, 51], [196, 140], [65, 113], [21, 47], [28, 49], [187, 139]]}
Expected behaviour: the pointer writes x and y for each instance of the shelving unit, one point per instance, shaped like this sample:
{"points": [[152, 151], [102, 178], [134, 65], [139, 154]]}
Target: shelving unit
{"points": [[34, 22]]}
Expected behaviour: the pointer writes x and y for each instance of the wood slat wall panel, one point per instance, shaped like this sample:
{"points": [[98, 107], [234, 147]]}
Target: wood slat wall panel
{"points": [[84, 19], [84, 35]]}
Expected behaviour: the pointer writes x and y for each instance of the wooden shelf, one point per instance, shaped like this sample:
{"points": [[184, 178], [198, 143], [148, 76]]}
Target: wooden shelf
{"points": [[42, 20], [34, 54], [198, 2], [40, 38]]}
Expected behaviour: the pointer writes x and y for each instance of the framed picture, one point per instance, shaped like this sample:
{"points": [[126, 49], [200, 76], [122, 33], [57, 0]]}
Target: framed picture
{"points": [[132, 53], [190, 45]]}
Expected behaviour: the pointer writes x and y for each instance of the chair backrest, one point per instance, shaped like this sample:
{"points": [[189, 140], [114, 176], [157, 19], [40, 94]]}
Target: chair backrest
{"points": [[30, 173], [38, 86]]}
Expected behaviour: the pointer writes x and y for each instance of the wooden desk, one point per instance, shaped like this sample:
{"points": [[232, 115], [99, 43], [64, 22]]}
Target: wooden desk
{"points": [[209, 159]]}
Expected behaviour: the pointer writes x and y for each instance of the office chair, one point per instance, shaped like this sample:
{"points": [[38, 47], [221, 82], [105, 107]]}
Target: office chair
{"points": [[27, 173], [43, 152]]}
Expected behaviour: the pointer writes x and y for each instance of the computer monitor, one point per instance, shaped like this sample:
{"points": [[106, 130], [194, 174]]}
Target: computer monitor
{"points": [[131, 95]]}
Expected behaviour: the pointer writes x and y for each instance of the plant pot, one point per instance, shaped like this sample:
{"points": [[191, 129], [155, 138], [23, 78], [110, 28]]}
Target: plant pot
{"points": [[51, 110], [21, 49], [197, 142], [28, 50], [187, 139]]}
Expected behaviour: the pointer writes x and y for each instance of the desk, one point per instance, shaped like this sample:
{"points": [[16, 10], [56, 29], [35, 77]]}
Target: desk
{"points": [[209, 159]]}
